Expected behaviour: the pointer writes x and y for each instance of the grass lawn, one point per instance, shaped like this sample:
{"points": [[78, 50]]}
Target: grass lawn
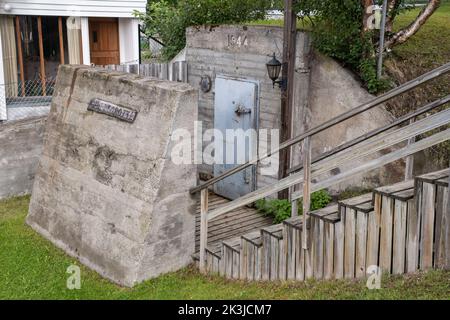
{"points": [[32, 268], [430, 46]]}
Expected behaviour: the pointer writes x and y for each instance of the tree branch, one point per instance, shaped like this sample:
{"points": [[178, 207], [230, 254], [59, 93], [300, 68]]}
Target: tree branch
{"points": [[406, 33]]}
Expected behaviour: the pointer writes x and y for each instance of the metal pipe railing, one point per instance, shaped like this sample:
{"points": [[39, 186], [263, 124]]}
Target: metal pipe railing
{"points": [[332, 122]]}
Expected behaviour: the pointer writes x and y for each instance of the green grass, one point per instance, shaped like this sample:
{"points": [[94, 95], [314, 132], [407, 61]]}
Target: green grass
{"points": [[32, 268], [430, 46]]}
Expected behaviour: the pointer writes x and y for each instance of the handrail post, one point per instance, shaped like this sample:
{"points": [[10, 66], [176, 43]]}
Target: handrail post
{"points": [[203, 228], [306, 190], [294, 206], [409, 165]]}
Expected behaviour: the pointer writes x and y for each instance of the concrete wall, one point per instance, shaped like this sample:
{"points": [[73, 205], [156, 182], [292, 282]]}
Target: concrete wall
{"points": [[107, 191], [325, 92], [333, 91], [20, 149], [237, 51]]}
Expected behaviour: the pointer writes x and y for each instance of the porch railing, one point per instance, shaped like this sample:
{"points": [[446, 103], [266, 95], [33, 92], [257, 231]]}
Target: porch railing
{"points": [[332, 159]]}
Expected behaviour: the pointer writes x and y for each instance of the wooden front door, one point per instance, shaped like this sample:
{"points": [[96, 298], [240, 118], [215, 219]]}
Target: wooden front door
{"points": [[104, 41]]}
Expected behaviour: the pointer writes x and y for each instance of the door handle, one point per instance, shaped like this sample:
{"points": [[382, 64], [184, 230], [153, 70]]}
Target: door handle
{"points": [[240, 109], [246, 177]]}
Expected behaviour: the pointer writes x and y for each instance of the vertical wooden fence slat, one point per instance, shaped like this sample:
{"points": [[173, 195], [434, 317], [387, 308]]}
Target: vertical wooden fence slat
{"points": [[428, 211], [386, 233], [274, 255], [288, 236], [412, 237], [265, 272], [339, 233], [399, 242], [318, 250], [446, 232], [441, 207], [203, 227], [243, 264], [328, 251], [309, 253], [236, 260], [361, 244], [373, 233], [349, 243], [299, 256]]}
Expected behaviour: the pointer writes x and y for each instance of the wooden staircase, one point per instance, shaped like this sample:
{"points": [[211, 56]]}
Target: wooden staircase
{"points": [[395, 227]]}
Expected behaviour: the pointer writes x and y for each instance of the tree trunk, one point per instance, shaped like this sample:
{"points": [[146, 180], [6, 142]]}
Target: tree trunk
{"points": [[406, 33]]}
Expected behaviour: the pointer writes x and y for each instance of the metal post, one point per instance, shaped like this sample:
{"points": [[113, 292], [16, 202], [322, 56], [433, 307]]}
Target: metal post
{"points": [[382, 33]]}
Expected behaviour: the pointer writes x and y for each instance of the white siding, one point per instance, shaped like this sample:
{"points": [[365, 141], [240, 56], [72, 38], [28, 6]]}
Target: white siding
{"points": [[129, 41], [80, 8]]}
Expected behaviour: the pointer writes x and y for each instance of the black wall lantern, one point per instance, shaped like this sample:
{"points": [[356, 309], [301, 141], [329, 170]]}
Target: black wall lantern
{"points": [[274, 68]]}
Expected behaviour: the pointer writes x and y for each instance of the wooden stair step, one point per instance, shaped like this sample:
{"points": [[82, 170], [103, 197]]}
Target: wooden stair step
{"points": [[294, 222], [442, 182], [321, 213], [404, 195], [332, 218], [395, 188], [274, 230], [253, 237], [432, 177], [355, 201]]}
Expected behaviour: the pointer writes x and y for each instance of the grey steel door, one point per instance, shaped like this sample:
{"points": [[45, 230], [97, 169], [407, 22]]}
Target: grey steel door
{"points": [[235, 107]]}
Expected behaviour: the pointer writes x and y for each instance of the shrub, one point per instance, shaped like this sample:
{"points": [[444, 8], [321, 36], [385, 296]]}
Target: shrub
{"points": [[280, 210]]}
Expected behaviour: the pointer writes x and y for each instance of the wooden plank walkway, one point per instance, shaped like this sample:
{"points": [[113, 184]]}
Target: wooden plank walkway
{"points": [[234, 223]]}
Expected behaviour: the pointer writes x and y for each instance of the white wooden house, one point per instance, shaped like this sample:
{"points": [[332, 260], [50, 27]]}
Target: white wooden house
{"points": [[38, 35]]}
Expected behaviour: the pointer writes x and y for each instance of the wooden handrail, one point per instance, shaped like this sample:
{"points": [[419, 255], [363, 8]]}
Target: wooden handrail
{"points": [[400, 135], [332, 122], [397, 122], [306, 176]]}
